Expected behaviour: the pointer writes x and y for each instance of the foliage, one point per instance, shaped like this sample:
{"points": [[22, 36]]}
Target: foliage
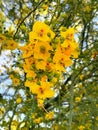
{"points": [[48, 65]]}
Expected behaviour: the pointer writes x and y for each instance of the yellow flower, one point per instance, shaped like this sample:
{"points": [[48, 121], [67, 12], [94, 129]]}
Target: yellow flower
{"points": [[44, 78], [67, 51], [29, 83], [59, 67], [62, 29], [66, 43], [75, 53], [29, 63], [78, 99], [10, 44], [41, 50], [18, 100], [38, 120], [70, 48], [34, 115], [27, 50], [43, 90], [50, 66], [81, 76], [15, 80], [31, 74], [14, 125], [68, 34], [81, 127], [41, 32], [2, 39], [2, 110], [54, 80], [75, 50], [44, 6], [65, 61], [40, 64], [60, 59], [30, 60], [87, 8], [49, 115], [44, 65], [44, 10], [40, 102], [57, 55], [27, 67], [30, 46]]}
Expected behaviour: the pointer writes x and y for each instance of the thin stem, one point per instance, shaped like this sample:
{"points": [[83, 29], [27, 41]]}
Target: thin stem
{"points": [[11, 119], [71, 107], [83, 37], [73, 78]]}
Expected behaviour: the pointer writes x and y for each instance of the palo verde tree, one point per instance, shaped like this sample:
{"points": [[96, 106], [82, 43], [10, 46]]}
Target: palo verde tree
{"points": [[48, 65]]}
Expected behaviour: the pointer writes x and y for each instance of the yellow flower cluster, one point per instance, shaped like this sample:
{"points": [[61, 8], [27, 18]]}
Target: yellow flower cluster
{"points": [[46, 56], [49, 115], [8, 44]]}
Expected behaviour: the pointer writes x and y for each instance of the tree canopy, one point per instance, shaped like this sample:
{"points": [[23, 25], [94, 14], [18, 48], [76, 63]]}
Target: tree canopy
{"points": [[48, 65]]}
